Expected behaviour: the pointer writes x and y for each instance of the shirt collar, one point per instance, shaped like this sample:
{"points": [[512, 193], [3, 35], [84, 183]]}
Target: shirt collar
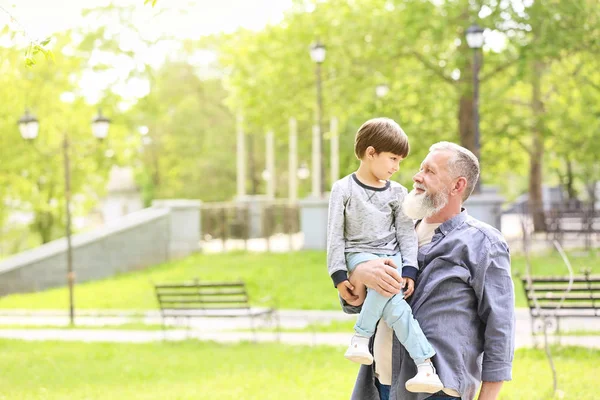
{"points": [[453, 222]]}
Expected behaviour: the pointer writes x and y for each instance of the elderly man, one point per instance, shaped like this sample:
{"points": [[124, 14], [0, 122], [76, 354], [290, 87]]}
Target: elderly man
{"points": [[463, 297]]}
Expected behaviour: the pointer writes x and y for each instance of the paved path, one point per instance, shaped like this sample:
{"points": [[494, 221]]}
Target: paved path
{"points": [[220, 329], [316, 338]]}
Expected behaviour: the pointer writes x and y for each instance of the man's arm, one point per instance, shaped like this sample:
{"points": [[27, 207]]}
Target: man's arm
{"points": [[490, 390], [495, 290]]}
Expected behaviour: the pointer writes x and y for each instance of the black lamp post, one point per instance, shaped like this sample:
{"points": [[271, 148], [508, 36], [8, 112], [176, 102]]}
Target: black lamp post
{"points": [[317, 53], [475, 41], [29, 127]]}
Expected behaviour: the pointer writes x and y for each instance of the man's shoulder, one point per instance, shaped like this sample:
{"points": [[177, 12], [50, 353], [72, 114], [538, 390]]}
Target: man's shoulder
{"points": [[488, 232]]}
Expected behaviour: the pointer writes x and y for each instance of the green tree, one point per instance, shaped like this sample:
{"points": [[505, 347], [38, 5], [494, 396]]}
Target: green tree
{"points": [[190, 144]]}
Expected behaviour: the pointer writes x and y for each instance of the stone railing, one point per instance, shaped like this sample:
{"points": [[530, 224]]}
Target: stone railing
{"points": [[167, 230]]}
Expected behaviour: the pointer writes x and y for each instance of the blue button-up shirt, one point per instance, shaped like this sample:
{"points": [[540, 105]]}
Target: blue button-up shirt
{"points": [[464, 303]]}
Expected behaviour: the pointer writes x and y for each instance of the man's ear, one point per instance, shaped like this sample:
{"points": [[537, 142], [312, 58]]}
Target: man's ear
{"points": [[459, 186]]}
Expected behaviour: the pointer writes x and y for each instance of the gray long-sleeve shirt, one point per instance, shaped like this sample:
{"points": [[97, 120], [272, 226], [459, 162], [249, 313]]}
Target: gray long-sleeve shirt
{"points": [[368, 219], [464, 303]]}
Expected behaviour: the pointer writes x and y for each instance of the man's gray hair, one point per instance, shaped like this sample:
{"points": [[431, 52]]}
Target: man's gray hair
{"points": [[462, 163]]}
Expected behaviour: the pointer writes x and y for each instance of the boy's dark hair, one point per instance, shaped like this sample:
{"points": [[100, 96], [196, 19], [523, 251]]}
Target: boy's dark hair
{"points": [[384, 135]]}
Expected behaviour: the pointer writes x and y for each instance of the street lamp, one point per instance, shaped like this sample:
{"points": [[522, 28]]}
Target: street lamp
{"points": [[266, 175], [317, 53], [303, 172], [29, 127], [382, 90], [100, 125], [475, 41]]}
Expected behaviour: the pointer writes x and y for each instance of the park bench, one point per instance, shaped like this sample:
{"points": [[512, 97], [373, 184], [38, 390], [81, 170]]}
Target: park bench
{"points": [[198, 299], [550, 298], [583, 221]]}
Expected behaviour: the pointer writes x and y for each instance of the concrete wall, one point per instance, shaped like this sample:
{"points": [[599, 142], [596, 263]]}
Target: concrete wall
{"points": [[136, 241], [313, 222]]}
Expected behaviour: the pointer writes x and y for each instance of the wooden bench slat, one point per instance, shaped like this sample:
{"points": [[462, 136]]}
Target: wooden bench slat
{"points": [[203, 293], [200, 285], [539, 289], [242, 301], [569, 297], [565, 306], [550, 279], [203, 308]]}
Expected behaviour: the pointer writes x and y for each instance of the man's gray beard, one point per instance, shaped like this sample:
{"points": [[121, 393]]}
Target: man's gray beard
{"points": [[424, 205]]}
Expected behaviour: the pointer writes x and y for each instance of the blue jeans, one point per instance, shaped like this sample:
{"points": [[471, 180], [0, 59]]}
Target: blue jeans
{"points": [[442, 396], [384, 390], [384, 393], [395, 311]]}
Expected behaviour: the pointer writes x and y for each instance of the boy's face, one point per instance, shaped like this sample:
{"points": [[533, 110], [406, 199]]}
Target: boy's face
{"points": [[385, 164]]}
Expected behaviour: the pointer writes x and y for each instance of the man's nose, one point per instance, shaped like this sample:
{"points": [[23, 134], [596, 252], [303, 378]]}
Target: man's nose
{"points": [[417, 177]]}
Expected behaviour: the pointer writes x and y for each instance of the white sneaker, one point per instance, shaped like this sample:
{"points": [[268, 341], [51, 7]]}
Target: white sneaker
{"points": [[358, 351], [426, 380]]}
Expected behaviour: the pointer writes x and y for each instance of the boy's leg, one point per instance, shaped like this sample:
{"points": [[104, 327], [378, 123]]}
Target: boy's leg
{"points": [[398, 315], [372, 308]]}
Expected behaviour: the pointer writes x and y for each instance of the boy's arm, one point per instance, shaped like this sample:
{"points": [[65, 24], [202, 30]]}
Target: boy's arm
{"points": [[336, 245], [407, 239]]}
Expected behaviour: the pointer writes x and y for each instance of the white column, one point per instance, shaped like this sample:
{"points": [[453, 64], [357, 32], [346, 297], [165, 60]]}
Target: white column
{"points": [[241, 157], [270, 146], [316, 164], [293, 162], [335, 150]]}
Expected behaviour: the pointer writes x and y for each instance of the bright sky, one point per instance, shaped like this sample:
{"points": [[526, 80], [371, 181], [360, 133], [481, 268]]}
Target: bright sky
{"points": [[178, 18], [43, 17], [174, 18]]}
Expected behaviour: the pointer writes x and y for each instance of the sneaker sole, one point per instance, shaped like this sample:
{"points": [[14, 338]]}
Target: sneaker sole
{"points": [[360, 358], [424, 387]]}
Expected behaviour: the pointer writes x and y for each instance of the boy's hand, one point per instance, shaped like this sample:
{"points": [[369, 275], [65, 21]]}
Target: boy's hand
{"points": [[345, 289], [409, 287]]}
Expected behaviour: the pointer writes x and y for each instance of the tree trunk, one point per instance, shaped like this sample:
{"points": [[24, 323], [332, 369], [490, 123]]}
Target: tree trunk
{"points": [[252, 166], [536, 206], [465, 121], [569, 180], [44, 221]]}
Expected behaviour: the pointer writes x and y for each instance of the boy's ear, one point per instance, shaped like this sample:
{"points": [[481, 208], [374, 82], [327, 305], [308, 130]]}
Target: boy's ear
{"points": [[370, 152]]}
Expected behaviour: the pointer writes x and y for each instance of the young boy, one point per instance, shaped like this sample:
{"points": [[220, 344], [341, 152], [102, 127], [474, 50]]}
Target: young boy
{"points": [[366, 221]]}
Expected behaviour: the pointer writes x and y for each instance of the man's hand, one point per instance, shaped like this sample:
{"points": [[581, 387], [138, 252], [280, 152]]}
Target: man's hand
{"points": [[490, 390], [345, 289], [380, 275], [360, 291], [409, 287]]}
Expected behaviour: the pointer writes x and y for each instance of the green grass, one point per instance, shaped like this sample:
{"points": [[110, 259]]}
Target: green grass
{"points": [[577, 369], [193, 370], [294, 280], [136, 326], [182, 370]]}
